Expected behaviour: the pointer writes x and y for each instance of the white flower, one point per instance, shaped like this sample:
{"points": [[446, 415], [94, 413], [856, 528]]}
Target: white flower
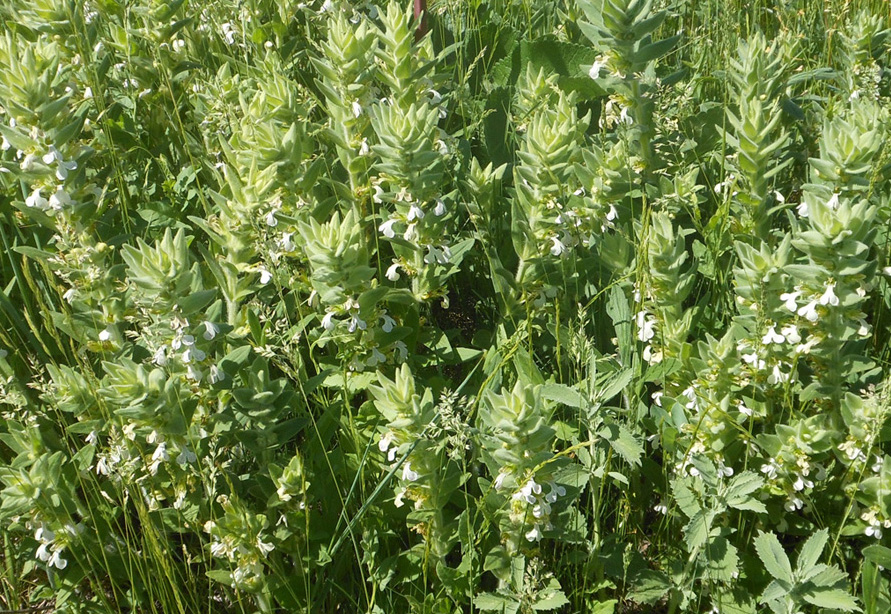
{"points": [[388, 324], [652, 358], [556, 491], [829, 297], [210, 330], [216, 375], [832, 203], [534, 535], [384, 445], [874, 531], [645, 326], [612, 214], [408, 474], [264, 547], [772, 336], [415, 213], [746, 411], [160, 454], [802, 209], [541, 509], [37, 201], [657, 397], [286, 243], [105, 334], [401, 350], [777, 376], [271, 221], [60, 199], [788, 299], [357, 323], [661, 508], [357, 108], [599, 64], [328, 322], [393, 272], [186, 456], [387, 228], [265, 276], [194, 373], [793, 504], [400, 494], [801, 483], [70, 295], [377, 358], [364, 149], [437, 255], [770, 469], [499, 479], [193, 354], [411, 232], [529, 492], [809, 312], [877, 464], [440, 208], [62, 167], [778, 196], [57, 559], [558, 248], [791, 333]]}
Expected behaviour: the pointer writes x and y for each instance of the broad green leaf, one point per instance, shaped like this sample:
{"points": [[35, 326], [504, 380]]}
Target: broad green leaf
{"points": [[879, 555], [832, 599], [563, 394], [774, 557], [623, 442], [811, 551]]}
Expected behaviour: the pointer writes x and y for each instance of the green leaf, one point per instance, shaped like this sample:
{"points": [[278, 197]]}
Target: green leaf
{"points": [[774, 557], [811, 551], [648, 586], [722, 559], [563, 394], [623, 442], [739, 492], [685, 497], [833, 599], [879, 555]]}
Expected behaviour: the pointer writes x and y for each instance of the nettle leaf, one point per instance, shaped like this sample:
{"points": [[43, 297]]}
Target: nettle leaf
{"points": [[740, 489], [550, 598], [722, 559], [648, 586], [697, 530], [833, 599], [563, 394], [685, 497], [811, 551], [623, 442], [771, 553]]}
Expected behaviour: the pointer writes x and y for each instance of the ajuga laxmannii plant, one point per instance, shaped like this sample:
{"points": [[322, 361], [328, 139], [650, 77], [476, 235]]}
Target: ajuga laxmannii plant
{"points": [[546, 306]]}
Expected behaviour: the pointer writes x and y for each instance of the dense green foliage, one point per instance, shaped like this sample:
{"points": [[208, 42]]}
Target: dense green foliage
{"points": [[550, 308]]}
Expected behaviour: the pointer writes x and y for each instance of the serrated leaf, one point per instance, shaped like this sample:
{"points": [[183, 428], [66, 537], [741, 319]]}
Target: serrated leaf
{"points": [[623, 442], [648, 586], [832, 599], [722, 559], [811, 551], [774, 557], [685, 497], [696, 531], [563, 394], [491, 601], [743, 485]]}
